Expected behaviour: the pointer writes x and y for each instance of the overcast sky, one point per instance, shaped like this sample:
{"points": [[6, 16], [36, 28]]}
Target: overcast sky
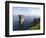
{"points": [[26, 11]]}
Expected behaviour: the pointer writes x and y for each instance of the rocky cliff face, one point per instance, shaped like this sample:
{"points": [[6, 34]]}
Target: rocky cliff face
{"points": [[35, 24], [21, 21], [35, 21]]}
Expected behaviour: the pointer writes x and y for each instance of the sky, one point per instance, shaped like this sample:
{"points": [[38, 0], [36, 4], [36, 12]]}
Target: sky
{"points": [[26, 11]]}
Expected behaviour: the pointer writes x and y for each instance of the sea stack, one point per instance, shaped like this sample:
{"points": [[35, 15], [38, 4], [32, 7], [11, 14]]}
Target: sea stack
{"points": [[21, 22]]}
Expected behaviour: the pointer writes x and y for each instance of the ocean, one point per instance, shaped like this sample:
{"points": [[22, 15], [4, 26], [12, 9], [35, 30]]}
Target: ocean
{"points": [[27, 22]]}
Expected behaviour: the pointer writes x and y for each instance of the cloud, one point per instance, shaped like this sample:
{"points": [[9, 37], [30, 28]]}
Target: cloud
{"points": [[26, 11]]}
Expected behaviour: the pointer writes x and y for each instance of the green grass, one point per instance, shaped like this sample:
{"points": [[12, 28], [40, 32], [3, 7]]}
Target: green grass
{"points": [[35, 27]]}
